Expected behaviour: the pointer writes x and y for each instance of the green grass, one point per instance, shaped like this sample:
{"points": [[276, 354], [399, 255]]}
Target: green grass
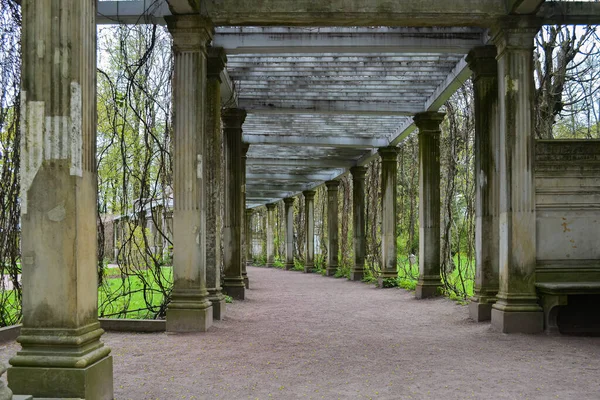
{"points": [[141, 289]]}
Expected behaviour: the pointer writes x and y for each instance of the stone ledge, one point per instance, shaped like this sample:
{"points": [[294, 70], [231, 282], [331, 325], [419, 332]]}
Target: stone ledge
{"points": [[10, 333], [133, 325]]}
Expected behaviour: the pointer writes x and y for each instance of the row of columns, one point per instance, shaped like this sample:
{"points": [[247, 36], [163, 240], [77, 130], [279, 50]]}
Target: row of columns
{"points": [[505, 192], [60, 336]]}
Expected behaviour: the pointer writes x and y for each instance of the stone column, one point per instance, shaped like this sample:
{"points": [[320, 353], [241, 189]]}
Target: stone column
{"points": [[482, 61], [430, 281], [332, 227], [516, 308], [289, 233], [309, 229], [233, 284], [249, 213], [245, 147], [389, 172], [61, 353], [271, 235], [212, 164], [189, 309], [358, 218]]}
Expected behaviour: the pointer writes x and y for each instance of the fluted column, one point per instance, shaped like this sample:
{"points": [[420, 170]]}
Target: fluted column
{"points": [[249, 213], [60, 336], [189, 309], [245, 147], [233, 282], [358, 219], [430, 280], [309, 229], [516, 308], [212, 156], [482, 61], [389, 172], [332, 227], [271, 234], [289, 233]]}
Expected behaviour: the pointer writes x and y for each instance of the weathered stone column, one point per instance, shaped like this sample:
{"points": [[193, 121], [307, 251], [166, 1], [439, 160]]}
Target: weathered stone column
{"points": [[389, 171], [249, 213], [189, 309], [212, 164], [332, 227], [516, 308], [289, 233], [309, 229], [271, 235], [358, 218], [430, 281], [482, 61], [233, 284], [245, 147], [61, 353]]}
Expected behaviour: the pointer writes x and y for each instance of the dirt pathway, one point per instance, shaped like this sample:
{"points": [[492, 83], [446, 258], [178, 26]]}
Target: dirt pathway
{"points": [[303, 336]]}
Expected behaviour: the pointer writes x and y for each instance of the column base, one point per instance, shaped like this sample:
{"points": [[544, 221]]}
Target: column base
{"points": [[357, 275], [428, 287], [517, 314], [91, 383], [331, 271], [235, 288], [309, 268], [289, 266], [247, 282], [189, 320], [189, 311], [62, 363], [383, 276], [218, 305], [480, 307]]}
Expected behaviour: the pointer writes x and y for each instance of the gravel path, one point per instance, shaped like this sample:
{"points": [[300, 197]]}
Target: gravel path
{"points": [[301, 336]]}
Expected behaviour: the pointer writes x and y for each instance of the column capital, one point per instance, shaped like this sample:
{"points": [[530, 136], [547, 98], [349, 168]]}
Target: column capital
{"points": [[482, 62], [289, 201], [249, 212], [309, 194], [190, 32], [217, 59], [389, 153], [429, 121], [271, 206], [233, 118], [332, 185], [358, 172], [515, 33]]}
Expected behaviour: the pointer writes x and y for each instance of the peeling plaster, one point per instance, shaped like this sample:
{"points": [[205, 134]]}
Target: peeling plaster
{"points": [[57, 214], [199, 167], [49, 138], [76, 130]]}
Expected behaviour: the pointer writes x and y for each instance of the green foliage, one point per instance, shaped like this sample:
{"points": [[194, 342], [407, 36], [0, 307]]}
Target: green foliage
{"points": [[228, 299], [389, 282]]}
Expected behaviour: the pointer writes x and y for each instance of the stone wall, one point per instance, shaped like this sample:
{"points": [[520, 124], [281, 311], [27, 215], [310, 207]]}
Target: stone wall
{"points": [[567, 174]]}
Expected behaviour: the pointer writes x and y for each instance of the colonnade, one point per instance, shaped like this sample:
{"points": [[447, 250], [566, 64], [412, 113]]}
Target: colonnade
{"points": [[60, 337]]}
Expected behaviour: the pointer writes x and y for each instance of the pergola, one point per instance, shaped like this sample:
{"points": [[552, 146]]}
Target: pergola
{"points": [[310, 90]]}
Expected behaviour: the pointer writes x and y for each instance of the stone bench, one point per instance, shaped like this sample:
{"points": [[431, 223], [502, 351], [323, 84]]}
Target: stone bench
{"points": [[555, 294]]}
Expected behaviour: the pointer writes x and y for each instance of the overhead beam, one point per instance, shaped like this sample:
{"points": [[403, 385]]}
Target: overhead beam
{"points": [[318, 141], [297, 162], [295, 177], [415, 13], [329, 107], [284, 40]]}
